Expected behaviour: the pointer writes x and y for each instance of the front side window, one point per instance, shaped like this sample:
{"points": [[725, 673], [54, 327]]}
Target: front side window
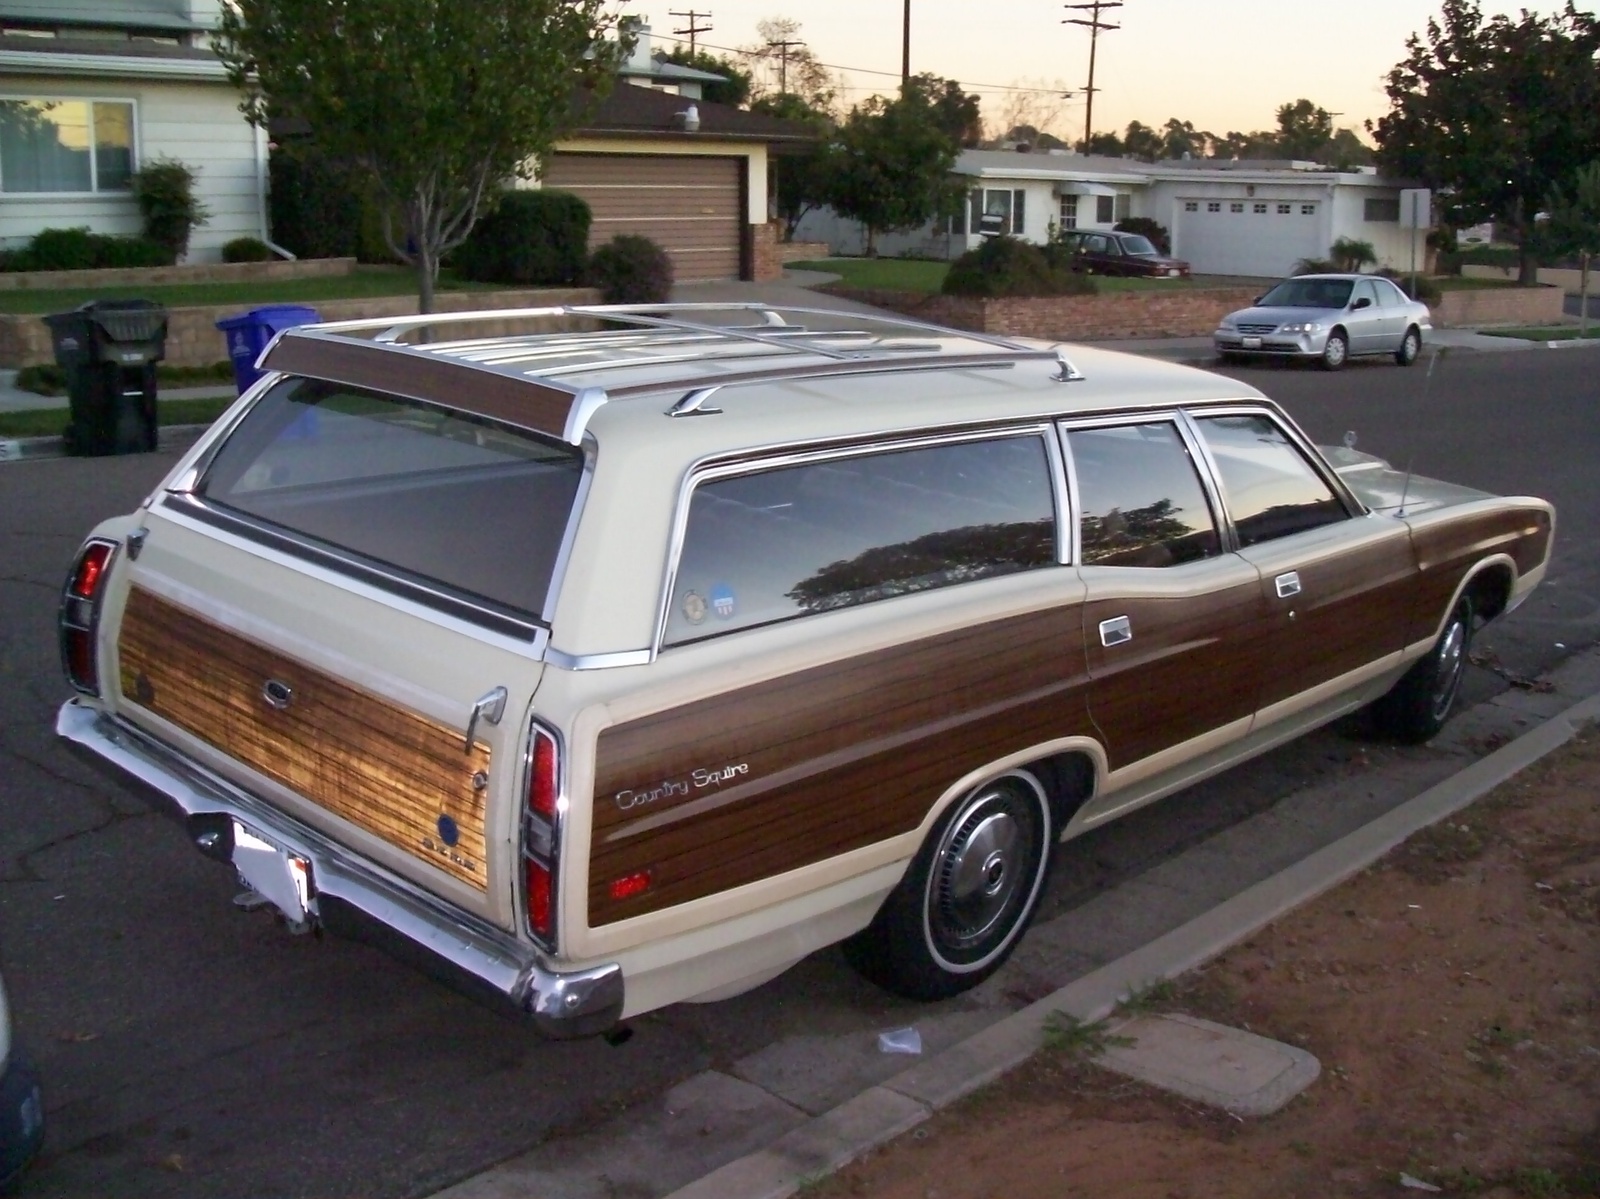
{"points": [[1268, 486], [66, 146], [836, 533], [1139, 498]]}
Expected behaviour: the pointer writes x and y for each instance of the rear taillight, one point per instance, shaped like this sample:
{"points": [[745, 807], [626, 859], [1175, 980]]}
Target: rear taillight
{"points": [[80, 614], [541, 824]]}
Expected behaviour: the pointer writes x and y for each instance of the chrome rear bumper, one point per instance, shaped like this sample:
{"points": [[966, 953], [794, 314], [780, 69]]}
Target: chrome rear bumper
{"points": [[356, 899]]}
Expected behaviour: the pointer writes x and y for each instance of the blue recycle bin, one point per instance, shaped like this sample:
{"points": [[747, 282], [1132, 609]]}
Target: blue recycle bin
{"points": [[249, 333]]}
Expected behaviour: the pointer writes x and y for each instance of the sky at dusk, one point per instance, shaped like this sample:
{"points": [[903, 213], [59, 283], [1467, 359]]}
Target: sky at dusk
{"points": [[1223, 64]]}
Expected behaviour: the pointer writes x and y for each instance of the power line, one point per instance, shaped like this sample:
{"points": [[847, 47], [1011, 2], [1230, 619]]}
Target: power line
{"points": [[1095, 25], [695, 29], [783, 62]]}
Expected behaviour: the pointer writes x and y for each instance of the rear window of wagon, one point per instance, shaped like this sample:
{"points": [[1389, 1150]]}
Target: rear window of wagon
{"points": [[476, 507]]}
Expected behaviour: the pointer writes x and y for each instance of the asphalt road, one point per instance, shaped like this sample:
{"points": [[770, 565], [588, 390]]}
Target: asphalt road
{"points": [[191, 1050]]}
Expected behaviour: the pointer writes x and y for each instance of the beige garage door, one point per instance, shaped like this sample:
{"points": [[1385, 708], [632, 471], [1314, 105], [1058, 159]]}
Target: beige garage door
{"points": [[691, 206]]}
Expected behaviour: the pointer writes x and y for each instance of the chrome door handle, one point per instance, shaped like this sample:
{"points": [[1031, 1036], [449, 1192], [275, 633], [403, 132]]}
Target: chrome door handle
{"points": [[1115, 631], [1287, 584]]}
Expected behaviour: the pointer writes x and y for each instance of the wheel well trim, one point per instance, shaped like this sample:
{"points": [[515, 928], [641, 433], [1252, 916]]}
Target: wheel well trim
{"points": [[1479, 570], [1022, 761]]}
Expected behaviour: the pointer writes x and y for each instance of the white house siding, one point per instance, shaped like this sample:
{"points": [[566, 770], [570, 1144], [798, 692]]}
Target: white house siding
{"points": [[198, 124], [1390, 242]]}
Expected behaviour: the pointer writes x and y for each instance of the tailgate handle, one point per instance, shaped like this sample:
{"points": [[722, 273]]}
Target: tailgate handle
{"points": [[1288, 584], [491, 706]]}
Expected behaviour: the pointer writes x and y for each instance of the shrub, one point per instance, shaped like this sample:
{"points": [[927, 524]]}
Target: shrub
{"points": [[247, 249], [1426, 289], [1352, 255], [1153, 229], [78, 249], [1314, 266], [1007, 266], [315, 205], [165, 191], [537, 238], [631, 270], [130, 251]]}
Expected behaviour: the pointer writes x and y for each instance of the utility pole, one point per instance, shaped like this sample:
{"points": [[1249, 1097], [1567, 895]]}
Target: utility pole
{"points": [[1094, 25], [694, 29], [905, 51], [783, 49]]}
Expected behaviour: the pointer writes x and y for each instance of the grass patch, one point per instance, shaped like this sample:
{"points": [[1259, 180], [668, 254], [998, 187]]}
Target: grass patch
{"points": [[1157, 996], [365, 283], [1069, 1037], [882, 274], [1546, 333], [50, 422], [49, 379]]}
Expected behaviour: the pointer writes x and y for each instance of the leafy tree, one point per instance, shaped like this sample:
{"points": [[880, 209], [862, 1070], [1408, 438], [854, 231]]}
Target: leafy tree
{"points": [[1259, 144], [795, 70], [1038, 139], [436, 101], [1346, 151], [1573, 227], [1108, 145], [1493, 113], [1181, 137], [955, 111], [1141, 141], [804, 180], [891, 165], [737, 82], [1304, 130]]}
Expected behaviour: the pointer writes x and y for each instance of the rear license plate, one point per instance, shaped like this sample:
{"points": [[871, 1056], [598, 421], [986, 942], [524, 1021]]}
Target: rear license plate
{"points": [[282, 878], [1252, 343]]}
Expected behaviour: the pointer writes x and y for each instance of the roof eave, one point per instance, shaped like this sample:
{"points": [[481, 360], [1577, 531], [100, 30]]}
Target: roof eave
{"points": [[114, 65]]}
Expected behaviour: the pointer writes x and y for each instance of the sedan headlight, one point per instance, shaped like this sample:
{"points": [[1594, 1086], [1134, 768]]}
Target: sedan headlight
{"points": [[1302, 327], [1227, 325]]}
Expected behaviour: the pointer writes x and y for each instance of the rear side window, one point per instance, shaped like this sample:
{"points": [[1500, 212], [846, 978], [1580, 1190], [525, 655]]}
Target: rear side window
{"points": [[1267, 485], [445, 498], [831, 534], [1139, 498]]}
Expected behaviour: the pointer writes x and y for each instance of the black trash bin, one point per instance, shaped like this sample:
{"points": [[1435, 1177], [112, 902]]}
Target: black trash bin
{"points": [[109, 349]]}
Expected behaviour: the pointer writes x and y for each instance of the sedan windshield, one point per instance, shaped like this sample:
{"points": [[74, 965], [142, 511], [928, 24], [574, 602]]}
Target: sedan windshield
{"points": [[1308, 293], [1139, 245]]}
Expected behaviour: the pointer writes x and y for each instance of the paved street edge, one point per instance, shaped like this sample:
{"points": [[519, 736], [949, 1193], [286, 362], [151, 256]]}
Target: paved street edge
{"points": [[881, 1113]]}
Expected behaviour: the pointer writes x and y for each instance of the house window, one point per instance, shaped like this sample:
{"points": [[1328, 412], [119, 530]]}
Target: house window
{"points": [[66, 145], [1069, 212], [1308, 210], [1214, 206], [1191, 205], [1381, 209], [1105, 210], [1236, 206], [1260, 208], [1124, 206], [1004, 203], [1285, 209]]}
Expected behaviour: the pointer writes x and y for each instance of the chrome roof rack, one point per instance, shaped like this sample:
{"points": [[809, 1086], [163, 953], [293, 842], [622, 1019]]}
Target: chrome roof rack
{"points": [[520, 377]]}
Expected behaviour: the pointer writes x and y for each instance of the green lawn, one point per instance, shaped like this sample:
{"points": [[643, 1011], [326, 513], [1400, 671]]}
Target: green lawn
{"points": [[888, 274], [366, 282], [49, 422], [1546, 333]]}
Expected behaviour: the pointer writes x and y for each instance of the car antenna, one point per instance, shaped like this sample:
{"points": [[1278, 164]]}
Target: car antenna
{"points": [[1427, 386]]}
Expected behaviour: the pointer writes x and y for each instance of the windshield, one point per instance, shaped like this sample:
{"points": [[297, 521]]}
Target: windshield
{"points": [[1309, 293], [477, 507], [1138, 244]]}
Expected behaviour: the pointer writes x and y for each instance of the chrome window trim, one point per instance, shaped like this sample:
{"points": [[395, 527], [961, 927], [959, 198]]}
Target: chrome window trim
{"points": [[1062, 499], [532, 645], [1293, 434], [558, 569], [627, 657], [780, 458], [1203, 466]]}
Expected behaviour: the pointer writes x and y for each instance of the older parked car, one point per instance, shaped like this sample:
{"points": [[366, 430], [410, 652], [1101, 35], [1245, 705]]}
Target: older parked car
{"points": [[1329, 319], [1104, 252], [608, 669], [21, 1105]]}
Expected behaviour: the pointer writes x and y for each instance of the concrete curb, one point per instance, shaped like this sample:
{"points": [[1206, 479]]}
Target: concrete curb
{"points": [[881, 1113]]}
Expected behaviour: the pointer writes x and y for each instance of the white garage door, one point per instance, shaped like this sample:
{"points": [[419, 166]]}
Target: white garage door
{"points": [[1248, 237], [690, 205]]}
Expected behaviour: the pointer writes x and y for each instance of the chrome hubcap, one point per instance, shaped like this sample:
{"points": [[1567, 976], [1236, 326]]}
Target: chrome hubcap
{"points": [[1335, 351], [982, 873], [1452, 660]]}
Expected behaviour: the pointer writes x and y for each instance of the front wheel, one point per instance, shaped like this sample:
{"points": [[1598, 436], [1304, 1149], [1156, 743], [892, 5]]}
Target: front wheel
{"points": [[1334, 352], [1410, 347], [1418, 705], [967, 897]]}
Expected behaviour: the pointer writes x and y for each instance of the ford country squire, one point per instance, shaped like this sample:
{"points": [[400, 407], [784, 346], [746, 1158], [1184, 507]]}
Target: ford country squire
{"points": [[623, 664]]}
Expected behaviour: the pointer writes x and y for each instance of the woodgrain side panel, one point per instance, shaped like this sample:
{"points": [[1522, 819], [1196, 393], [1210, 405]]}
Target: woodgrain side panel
{"points": [[786, 773], [1448, 546], [389, 771]]}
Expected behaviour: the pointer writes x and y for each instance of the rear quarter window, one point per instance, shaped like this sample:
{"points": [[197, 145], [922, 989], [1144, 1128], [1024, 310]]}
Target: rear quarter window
{"points": [[810, 538]]}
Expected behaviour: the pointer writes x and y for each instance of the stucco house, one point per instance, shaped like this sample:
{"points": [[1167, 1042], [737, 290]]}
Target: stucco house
{"points": [[1252, 219], [92, 89]]}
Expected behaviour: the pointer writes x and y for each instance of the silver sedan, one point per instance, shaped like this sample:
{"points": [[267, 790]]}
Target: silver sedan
{"points": [[1329, 318]]}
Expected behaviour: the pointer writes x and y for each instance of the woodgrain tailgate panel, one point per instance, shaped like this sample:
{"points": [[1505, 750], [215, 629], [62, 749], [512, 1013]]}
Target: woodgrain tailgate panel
{"points": [[384, 769]]}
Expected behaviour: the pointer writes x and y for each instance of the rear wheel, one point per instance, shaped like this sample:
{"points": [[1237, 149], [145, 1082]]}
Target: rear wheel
{"points": [[1335, 352], [1420, 702], [967, 896], [1410, 347]]}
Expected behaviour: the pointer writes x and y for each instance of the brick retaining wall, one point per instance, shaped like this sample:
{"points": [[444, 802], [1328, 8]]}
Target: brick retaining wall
{"points": [[193, 338], [208, 272], [1500, 306]]}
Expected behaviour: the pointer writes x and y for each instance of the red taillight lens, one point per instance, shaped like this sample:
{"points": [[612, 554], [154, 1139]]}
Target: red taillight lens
{"points": [[80, 614], [540, 822]]}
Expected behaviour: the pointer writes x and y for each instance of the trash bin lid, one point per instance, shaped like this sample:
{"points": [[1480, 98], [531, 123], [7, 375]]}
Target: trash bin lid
{"points": [[127, 320]]}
